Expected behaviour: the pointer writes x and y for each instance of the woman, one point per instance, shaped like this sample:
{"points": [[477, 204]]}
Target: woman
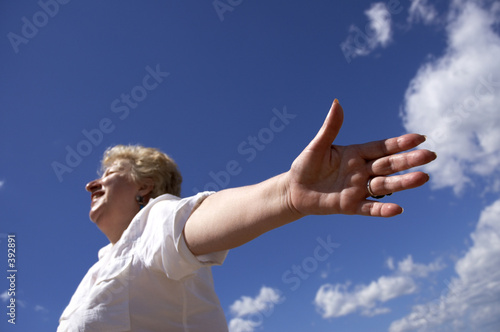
{"points": [[155, 273]]}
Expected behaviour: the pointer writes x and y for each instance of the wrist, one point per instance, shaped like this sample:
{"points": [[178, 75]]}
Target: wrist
{"points": [[286, 201]]}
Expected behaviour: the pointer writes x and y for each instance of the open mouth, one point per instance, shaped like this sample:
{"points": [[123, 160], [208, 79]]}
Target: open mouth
{"points": [[96, 195]]}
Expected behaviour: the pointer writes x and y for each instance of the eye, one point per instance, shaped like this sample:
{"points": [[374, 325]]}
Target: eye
{"points": [[108, 172]]}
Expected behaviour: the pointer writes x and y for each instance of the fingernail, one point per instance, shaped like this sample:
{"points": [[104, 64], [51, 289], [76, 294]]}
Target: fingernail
{"points": [[402, 210], [336, 101]]}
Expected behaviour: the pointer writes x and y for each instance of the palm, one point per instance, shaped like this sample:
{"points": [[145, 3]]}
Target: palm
{"points": [[328, 179]]}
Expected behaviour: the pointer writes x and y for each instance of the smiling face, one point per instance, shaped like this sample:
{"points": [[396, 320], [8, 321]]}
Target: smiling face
{"points": [[113, 199]]}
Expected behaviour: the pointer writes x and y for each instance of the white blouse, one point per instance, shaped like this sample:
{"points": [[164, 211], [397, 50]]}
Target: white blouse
{"points": [[149, 280]]}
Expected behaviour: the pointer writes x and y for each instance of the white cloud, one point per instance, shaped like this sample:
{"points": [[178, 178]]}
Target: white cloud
{"points": [[266, 299], [390, 263], [377, 33], [472, 301], [243, 325], [455, 100], [5, 296], [408, 267], [249, 312], [39, 308], [326, 272], [380, 23], [421, 11], [337, 300]]}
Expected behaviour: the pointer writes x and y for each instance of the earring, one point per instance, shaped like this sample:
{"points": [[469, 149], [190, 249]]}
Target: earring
{"points": [[140, 200]]}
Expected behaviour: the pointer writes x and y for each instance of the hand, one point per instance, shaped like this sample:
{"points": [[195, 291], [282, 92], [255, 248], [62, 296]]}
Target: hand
{"points": [[332, 179]]}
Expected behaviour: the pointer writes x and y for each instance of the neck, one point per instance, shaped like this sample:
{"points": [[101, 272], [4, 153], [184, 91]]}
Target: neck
{"points": [[114, 231]]}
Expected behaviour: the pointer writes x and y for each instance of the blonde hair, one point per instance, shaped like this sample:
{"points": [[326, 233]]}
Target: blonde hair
{"points": [[147, 163]]}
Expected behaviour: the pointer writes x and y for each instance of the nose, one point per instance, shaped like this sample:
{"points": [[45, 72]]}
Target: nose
{"points": [[93, 185]]}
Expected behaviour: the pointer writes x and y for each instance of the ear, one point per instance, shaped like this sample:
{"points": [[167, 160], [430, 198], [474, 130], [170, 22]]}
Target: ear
{"points": [[146, 187]]}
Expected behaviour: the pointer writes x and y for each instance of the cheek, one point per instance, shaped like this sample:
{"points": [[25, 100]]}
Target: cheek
{"points": [[125, 191]]}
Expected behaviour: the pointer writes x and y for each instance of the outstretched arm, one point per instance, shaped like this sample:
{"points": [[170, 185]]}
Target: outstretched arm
{"points": [[324, 179]]}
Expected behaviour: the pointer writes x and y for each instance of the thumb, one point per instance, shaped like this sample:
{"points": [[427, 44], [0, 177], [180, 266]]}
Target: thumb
{"points": [[330, 129]]}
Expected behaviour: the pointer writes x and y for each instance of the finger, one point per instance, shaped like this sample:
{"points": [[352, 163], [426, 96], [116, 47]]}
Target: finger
{"points": [[331, 127], [383, 185], [377, 149], [400, 162], [379, 209]]}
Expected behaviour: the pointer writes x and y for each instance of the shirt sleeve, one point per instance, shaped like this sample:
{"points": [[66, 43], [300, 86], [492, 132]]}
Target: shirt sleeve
{"points": [[166, 248]]}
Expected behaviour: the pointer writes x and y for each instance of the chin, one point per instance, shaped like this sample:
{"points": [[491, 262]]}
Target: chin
{"points": [[94, 216]]}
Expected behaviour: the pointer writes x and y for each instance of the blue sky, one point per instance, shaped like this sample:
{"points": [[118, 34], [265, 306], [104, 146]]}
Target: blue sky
{"points": [[233, 91]]}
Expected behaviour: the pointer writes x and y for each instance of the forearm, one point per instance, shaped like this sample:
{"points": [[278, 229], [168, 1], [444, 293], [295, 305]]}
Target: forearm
{"points": [[232, 217]]}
